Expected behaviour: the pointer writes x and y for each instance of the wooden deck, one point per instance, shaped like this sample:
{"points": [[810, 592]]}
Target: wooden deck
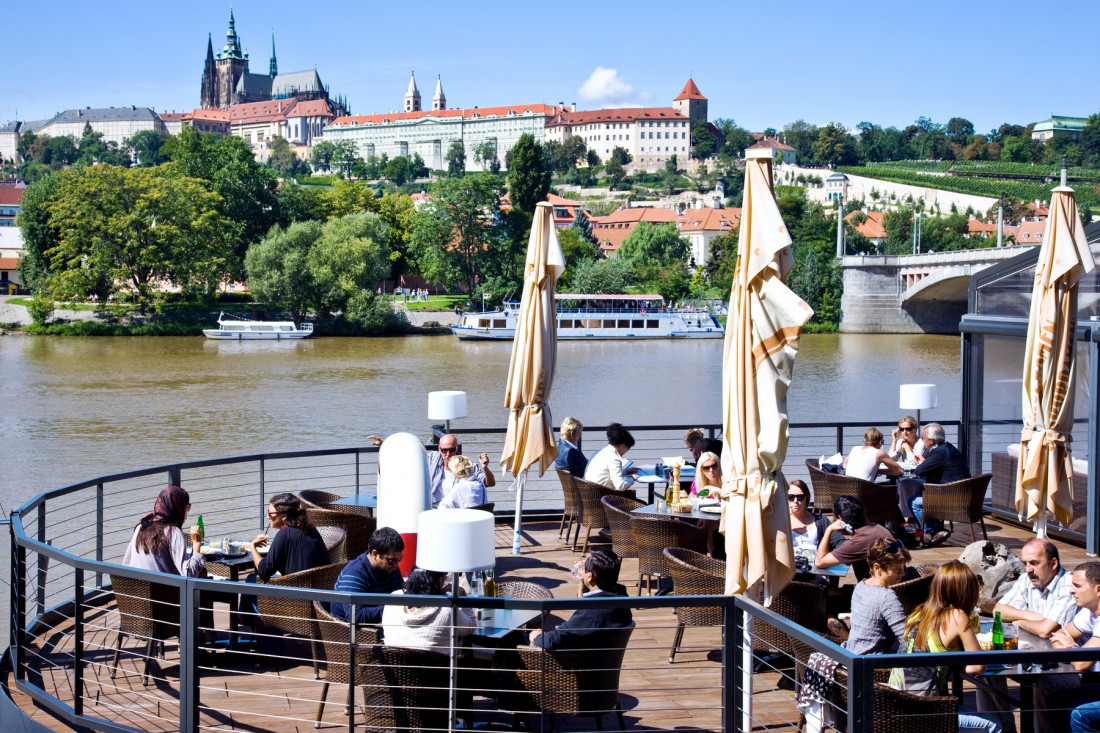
{"points": [[278, 692]]}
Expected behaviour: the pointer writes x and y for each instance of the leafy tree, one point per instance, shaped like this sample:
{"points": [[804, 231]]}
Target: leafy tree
{"points": [[397, 170], [528, 177], [147, 146], [593, 158], [456, 160], [899, 231], [298, 203], [801, 136], [959, 130], [1014, 211], [1089, 141], [834, 146], [346, 262], [576, 249], [721, 264], [1018, 149], [454, 237], [278, 268], [346, 197], [816, 278], [396, 210], [574, 150], [417, 169], [620, 155], [670, 173], [485, 155], [39, 235], [345, 156], [94, 150], [616, 174], [651, 247], [128, 229], [737, 139], [601, 276], [703, 142], [282, 158], [323, 154]]}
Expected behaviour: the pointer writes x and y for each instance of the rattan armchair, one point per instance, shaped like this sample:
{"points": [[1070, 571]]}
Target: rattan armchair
{"points": [[336, 639], [694, 574], [526, 589], [653, 534], [904, 712], [618, 509], [335, 542], [959, 501], [569, 498], [146, 611], [575, 681], [589, 496], [802, 603], [914, 592], [296, 616], [357, 527], [880, 501], [822, 497], [488, 507], [405, 689], [317, 498]]}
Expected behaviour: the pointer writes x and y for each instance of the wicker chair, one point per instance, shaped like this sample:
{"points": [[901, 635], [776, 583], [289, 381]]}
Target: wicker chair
{"points": [[317, 498], [694, 574], [336, 637], [526, 589], [404, 689], [335, 543], [914, 592], [880, 501], [357, 527], [589, 496], [618, 509], [145, 611], [802, 603], [571, 512], [296, 615], [822, 497], [653, 534], [959, 501], [489, 507], [575, 681], [903, 712]]}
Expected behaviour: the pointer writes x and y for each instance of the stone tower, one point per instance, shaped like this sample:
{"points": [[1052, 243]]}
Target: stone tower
{"points": [[691, 103], [232, 64], [412, 95], [209, 96], [439, 101]]}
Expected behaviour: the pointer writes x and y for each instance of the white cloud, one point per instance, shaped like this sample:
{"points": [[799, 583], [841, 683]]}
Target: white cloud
{"points": [[604, 88]]}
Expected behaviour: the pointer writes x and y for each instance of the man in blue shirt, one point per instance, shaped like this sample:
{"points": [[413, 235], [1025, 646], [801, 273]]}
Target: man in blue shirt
{"points": [[375, 571]]}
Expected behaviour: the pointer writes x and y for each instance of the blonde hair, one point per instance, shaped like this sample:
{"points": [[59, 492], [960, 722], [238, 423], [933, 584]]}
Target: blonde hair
{"points": [[460, 466], [693, 435], [570, 425], [872, 436], [701, 477]]}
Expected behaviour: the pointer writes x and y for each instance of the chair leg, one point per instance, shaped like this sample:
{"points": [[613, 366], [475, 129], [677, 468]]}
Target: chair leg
{"points": [[118, 653], [148, 662], [314, 648], [981, 520], [676, 641], [619, 715], [970, 526], [587, 537], [321, 706]]}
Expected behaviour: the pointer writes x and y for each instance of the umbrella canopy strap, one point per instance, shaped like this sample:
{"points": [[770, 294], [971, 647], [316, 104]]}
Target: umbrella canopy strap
{"points": [[1050, 436]]}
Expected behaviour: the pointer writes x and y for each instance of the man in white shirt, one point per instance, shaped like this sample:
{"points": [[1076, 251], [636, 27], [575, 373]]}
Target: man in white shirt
{"points": [[1040, 601]]}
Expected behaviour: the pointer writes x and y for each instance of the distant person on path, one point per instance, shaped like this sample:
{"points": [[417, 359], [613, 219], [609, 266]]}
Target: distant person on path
{"points": [[864, 460], [375, 571], [570, 457], [606, 467], [438, 468]]}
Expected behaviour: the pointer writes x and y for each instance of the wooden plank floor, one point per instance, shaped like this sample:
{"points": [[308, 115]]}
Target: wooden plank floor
{"points": [[278, 692]]}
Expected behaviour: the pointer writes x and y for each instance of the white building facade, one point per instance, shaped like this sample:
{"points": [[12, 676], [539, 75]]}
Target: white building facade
{"points": [[650, 134], [116, 124]]}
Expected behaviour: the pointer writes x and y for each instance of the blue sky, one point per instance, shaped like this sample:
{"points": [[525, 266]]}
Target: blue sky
{"points": [[763, 65]]}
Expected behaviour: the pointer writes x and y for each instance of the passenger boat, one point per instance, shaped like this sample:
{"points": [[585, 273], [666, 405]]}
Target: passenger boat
{"points": [[599, 317], [242, 329]]}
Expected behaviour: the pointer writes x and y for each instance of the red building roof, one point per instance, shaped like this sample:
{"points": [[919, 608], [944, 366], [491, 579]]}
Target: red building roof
{"points": [[312, 108], [872, 227], [612, 229], [11, 196], [271, 110], [690, 91], [771, 142], [473, 113], [624, 114]]}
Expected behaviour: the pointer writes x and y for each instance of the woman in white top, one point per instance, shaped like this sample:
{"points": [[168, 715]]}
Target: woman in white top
{"points": [[864, 460], [606, 467], [905, 442], [423, 627], [459, 490]]}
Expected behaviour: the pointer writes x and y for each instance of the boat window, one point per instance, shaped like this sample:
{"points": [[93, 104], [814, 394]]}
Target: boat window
{"points": [[652, 324], [287, 328], [637, 324], [624, 323], [232, 327], [609, 324], [261, 328], [499, 323]]}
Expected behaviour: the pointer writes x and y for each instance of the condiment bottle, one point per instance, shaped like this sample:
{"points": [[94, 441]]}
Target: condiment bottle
{"points": [[998, 632], [976, 620], [672, 493]]}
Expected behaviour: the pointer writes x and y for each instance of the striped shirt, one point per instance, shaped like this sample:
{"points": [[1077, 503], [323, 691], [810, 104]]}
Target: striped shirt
{"points": [[1054, 601]]}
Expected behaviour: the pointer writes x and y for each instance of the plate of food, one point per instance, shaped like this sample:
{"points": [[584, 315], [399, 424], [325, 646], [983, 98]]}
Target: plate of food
{"points": [[211, 549], [711, 509]]}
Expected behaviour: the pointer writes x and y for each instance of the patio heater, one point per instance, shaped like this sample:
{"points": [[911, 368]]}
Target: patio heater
{"points": [[455, 541], [446, 405], [917, 397]]}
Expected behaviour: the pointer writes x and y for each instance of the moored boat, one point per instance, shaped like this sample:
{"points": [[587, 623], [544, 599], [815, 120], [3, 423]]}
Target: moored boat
{"points": [[244, 329], [600, 317]]}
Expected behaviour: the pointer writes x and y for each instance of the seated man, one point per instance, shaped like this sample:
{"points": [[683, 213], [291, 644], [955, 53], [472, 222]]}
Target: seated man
{"points": [[942, 463], [438, 468], [1040, 601], [375, 571], [599, 579], [696, 441], [1082, 631], [853, 550]]}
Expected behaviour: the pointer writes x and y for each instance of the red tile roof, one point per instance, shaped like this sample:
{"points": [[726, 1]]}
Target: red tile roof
{"points": [[10, 196], [9, 263], [611, 230], [171, 116], [623, 114], [1031, 232], [472, 113], [1038, 209], [771, 142], [208, 113], [559, 201], [872, 227], [709, 220], [690, 91], [274, 109], [312, 108], [977, 226]]}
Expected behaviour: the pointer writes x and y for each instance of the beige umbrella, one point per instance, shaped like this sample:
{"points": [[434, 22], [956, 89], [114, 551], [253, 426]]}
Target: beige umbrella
{"points": [[765, 322], [1044, 480], [530, 436]]}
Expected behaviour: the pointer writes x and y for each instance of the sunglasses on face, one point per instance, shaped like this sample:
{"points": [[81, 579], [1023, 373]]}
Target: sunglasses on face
{"points": [[905, 430], [796, 497], [448, 450], [710, 467]]}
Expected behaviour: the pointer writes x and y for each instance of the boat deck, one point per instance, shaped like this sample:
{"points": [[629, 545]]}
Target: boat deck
{"points": [[278, 692]]}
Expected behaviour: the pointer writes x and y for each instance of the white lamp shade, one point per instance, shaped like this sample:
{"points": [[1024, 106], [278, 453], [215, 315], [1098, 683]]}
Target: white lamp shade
{"points": [[456, 540], [917, 396], [446, 405]]}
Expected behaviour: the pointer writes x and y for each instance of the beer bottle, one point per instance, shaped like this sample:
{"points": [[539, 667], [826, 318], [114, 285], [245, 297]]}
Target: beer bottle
{"points": [[202, 529], [998, 632]]}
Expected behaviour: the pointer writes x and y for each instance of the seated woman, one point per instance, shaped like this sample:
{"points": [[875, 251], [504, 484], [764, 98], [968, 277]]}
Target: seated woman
{"points": [[459, 490], [158, 543], [708, 477], [864, 460], [296, 547], [942, 624], [606, 467], [878, 621], [905, 442], [423, 627], [570, 457], [807, 528], [696, 441]]}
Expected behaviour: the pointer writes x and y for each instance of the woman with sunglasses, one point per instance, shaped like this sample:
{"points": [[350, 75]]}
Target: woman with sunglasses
{"points": [[807, 528], [878, 621], [297, 546], [905, 442], [708, 477]]}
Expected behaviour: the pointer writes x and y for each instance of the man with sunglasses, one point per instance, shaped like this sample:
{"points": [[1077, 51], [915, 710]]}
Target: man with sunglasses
{"points": [[439, 471], [375, 571]]}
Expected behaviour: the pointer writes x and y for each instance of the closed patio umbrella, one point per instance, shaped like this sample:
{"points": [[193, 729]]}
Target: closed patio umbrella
{"points": [[1044, 479], [530, 436], [765, 323]]}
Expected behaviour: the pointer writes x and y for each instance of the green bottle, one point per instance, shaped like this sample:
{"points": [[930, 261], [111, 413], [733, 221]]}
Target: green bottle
{"points": [[998, 632], [202, 529]]}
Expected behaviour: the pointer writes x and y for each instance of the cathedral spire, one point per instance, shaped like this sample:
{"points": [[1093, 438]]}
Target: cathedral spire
{"points": [[439, 101], [412, 95], [273, 70], [232, 48], [208, 96]]}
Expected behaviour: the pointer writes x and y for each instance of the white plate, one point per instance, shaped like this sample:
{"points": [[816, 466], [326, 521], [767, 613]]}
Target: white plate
{"points": [[711, 509]]}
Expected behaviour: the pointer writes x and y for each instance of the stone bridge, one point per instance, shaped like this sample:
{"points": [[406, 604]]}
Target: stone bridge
{"points": [[923, 293]]}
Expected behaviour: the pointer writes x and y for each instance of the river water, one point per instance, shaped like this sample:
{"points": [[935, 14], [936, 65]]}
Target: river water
{"points": [[76, 408]]}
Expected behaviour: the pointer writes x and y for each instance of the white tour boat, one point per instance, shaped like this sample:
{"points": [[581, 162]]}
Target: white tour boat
{"points": [[596, 317], [243, 329]]}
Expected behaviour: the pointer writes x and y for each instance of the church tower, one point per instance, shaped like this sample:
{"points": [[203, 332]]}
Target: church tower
{"points": [[273, 67], [691, 103], [232, 64], [209, 95], [412, 95], [439, 101]]}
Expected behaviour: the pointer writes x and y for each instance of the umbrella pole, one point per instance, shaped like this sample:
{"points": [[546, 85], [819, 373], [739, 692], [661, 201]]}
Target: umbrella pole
{"points": [[1041, 525], [521, 481]]}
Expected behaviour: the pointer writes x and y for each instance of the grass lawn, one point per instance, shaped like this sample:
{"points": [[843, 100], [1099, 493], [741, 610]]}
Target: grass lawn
{"points": [[437, 303]]}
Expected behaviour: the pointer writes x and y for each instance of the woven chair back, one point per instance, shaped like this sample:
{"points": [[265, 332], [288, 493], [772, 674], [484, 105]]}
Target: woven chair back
{"points": [[618, 509]]}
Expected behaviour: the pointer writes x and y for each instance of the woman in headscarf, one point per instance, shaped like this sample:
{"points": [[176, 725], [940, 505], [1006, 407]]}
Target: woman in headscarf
{"points": [[158, 543]]}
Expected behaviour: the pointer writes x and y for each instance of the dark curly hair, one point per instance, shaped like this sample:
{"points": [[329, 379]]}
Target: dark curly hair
{"points": [[618, 435]]}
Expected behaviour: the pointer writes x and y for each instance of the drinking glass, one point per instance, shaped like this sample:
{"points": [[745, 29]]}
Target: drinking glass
{"points": [[660, 504], [1012, 636]]}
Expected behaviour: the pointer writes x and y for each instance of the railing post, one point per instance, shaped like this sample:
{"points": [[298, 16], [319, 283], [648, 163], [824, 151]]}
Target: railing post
{"points": [[357, 473], [78, 642], [189, 646], [351, 667], [861, 696], [18, 602], [733, 667], [840, 439], [99, 533], [40, 591], [174, 476], [263, 503]]}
